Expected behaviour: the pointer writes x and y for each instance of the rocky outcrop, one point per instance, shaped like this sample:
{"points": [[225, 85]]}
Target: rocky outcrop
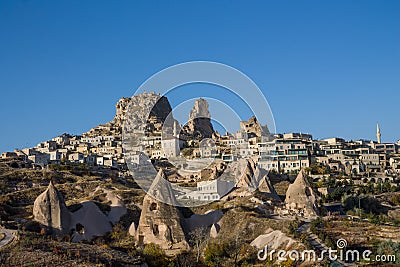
{"points": [[88, 221], [394, 214], [245, 176], [300, 197], [160, 223], [158, 107], [275, 239], [214, 231], [132, 229], [244, 172], [253, 128], [248, 175], [199, 124], [50, 210], [121, 108], [203, 220], [268, 189]]}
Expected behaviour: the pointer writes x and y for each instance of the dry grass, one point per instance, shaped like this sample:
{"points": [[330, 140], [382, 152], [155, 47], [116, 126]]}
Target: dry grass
{"points": [[362, 233], [36, 250]]}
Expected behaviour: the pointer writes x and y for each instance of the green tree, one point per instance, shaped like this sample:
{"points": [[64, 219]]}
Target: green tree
{"points": [[155, 255], [214, 254]]}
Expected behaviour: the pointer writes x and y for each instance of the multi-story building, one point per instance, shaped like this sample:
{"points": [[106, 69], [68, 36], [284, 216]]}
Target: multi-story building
{"points": [[55, 156], [39, 158], [76, 157], [385, 148], [170, 146], [395, 163], [211, 190], [288, 154]]}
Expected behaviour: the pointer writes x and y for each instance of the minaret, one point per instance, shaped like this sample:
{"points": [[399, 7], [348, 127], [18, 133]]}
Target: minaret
{"points": [[378, 133]]}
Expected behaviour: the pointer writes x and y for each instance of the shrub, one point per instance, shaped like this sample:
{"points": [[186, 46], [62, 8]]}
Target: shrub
{"points": [[155, 255], [214, 254], [32, 226]]}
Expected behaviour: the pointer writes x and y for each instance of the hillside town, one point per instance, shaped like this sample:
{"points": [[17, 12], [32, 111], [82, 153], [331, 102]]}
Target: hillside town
{"points": [[280, 153], [288, 189]]}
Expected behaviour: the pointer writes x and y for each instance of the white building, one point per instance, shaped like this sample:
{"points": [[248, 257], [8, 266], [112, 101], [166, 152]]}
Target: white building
{"points": [[228, 157], [208, 152], [76, 157], [109, 162], [395, 163], [55, 155], [62, 140], [46, 146], [170, 147], [286, 154], [94, 141], [211, 190], [100, 161], [39, 158]]}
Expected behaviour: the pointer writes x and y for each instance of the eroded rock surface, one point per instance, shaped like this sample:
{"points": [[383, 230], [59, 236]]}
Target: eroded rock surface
{"points": [[300, 197], [50, 210], [160, 223]]}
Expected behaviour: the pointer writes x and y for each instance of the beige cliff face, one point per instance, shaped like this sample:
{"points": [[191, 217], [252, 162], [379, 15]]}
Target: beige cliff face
{"points": [[50, 210], [161, 223], [268, 189], [214, 231], [244, 172], [121, 108], [248, 175], [200, 109], [199, 123], [300, 197], [159, 107], [253, 128]]}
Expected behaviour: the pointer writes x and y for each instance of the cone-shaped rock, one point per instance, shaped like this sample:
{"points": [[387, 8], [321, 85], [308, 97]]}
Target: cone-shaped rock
{"points": [[132, 229], [215, 228], [160, 223], [300, 197], [50, 210], [248, 174], [161, 190], [268, 189]]}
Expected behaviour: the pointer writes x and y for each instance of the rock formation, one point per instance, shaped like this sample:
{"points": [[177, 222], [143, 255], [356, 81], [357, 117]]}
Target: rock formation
{"points": [[300, 197], [245, 175], [199, 124], [132, 229], [91, 221], [121, 108], [244, 172], [214, 231], [50, 210], [160, 223], [88, 221], [275, 239], [203, 220], [253, 128], [268, 189], [158, 107]]}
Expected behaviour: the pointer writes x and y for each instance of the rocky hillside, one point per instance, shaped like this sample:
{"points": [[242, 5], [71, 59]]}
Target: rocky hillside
{"points": [[159, 112]]}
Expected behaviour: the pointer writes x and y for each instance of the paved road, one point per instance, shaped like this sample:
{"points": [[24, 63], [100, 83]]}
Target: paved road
{"points": [[10, 236], [316, 243]]}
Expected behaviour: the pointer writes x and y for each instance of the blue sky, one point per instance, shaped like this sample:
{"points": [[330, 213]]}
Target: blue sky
{"points": [[330, 68]]}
